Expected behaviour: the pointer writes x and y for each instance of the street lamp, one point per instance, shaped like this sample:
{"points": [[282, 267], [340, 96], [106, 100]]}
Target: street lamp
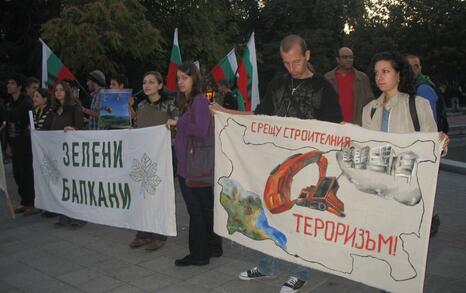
{"points": [[210, 94]]}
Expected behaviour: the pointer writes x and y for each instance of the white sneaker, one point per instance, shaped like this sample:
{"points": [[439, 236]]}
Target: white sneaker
{"points": [[253, 274], [292, 285]]}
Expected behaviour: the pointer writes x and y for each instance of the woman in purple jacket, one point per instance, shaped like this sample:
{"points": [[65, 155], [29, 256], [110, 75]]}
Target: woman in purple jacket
{"points": [[194, 121]]}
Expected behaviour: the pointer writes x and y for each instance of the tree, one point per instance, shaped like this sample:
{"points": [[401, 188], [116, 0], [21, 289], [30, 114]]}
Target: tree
{"points": [[133, 36], [434, 30], [321, 23], [207, 29], [105, 35], [19, 31]]}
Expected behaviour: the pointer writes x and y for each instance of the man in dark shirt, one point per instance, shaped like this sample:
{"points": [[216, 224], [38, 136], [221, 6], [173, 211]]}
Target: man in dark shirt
{"points": [[118, 82], [32, 85], [230, 99], [19, 143], [300, 93]]}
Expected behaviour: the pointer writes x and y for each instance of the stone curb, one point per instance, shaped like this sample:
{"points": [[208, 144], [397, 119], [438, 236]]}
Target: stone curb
{"points": [[453, 166]]}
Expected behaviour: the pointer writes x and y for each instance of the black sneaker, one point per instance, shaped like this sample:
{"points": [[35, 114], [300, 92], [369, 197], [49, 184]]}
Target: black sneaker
{"points": [[253, 274], [292, 285]]}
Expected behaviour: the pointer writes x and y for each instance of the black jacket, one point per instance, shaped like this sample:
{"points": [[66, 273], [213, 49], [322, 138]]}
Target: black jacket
{"points": [[313, 98], [18, 131]]}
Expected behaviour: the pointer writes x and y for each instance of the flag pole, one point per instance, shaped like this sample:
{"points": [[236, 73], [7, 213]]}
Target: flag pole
{"points": [[83, 89], [8, 202]]}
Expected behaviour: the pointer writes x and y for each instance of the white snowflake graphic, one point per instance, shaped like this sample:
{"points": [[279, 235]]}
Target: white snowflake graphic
{"points": [[49, 169], [145, 171]]}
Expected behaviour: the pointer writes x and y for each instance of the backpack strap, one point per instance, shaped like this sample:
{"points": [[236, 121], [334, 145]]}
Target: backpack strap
{"points": [[413, 112]]}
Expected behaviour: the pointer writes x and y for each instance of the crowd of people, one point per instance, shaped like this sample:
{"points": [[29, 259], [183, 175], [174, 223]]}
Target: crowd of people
{"points": [[343, 95]]}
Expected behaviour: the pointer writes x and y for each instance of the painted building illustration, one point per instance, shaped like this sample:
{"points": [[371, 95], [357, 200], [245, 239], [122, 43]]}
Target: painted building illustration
{"points": [[382, 159]]}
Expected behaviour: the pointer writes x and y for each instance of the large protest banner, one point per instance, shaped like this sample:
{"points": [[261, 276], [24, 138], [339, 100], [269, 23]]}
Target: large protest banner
{"points": [[121, 178], [338, 198]]}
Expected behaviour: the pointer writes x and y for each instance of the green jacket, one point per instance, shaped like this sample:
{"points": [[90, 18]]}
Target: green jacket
{"points": [[424, 79]]}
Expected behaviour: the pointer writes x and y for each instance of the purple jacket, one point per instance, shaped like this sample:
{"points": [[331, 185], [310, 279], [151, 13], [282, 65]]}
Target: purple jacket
{"points": [[194, 122]]}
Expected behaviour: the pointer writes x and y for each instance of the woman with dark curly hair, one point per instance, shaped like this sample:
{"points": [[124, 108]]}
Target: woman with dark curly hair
{"points": [[391, 111]]}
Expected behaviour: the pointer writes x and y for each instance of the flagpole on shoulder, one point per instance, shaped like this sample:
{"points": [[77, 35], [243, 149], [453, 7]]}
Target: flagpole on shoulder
{"points": [[8, 202], [81, 87]]}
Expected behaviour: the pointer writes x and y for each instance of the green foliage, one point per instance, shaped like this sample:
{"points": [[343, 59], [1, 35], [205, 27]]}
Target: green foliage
{"points": [[437, 32], [434, 30], [103, 34], [206, 29], [133, 36], [320, 22]]}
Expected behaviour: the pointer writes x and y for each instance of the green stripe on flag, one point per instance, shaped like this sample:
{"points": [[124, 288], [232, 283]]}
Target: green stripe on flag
{"points": [[240, 100], [248, 66], [229, 74], [176, 55], [54, 65]]}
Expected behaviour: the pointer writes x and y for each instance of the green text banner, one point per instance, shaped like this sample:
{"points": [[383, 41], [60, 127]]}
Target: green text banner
{"points": [[121, 178]]}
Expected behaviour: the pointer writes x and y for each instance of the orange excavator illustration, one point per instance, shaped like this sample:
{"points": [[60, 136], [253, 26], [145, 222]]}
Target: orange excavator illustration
{"points": [[322, 196]]}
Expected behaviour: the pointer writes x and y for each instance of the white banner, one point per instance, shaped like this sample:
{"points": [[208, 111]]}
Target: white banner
{"points": [[338, 198], [121, 178]]}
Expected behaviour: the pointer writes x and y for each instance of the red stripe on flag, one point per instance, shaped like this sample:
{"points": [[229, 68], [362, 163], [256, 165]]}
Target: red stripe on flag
{"points": [[242, 83], [218, 73], [65, 73], [171, 76]]}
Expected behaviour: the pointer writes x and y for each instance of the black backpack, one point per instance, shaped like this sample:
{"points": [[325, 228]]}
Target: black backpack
{"points": [[442, 122]]}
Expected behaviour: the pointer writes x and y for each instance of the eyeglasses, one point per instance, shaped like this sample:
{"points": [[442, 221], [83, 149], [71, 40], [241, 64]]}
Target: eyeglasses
{"points": [[346, 56]]}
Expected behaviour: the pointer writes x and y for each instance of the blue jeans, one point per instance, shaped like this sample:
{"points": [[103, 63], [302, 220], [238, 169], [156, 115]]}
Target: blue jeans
{"points": [[268, 265]]}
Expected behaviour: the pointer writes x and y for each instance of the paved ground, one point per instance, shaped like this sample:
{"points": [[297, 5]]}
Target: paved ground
{"points": [[36, 257], [457, 118]]}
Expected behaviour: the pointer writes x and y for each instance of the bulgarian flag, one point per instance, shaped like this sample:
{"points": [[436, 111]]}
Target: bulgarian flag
{"points": [[248, 81], [175, 61], [225, 68], [53, 70]]}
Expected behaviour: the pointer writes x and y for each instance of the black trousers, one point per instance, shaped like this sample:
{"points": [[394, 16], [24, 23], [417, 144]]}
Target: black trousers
{"points": [[200, 205], [24, 177]]}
